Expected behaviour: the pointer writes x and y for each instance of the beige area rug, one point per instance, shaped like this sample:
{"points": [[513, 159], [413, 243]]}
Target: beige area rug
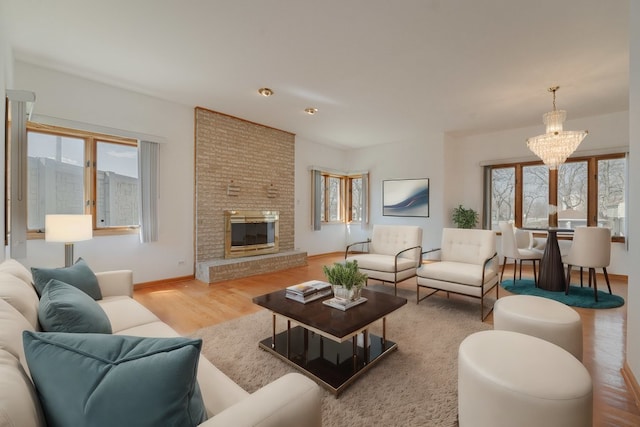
{"points": [[414, 386]]}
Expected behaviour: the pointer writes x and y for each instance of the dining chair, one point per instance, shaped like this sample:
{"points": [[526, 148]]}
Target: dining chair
{"points": [[591, 248], [511, 250]]}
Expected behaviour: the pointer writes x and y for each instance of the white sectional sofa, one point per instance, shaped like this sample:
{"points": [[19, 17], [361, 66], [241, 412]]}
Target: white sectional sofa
{"points": [[292, 400]]}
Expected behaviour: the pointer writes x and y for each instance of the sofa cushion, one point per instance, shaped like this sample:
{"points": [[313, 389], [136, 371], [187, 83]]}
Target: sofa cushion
{"points": [[65, 308], [21, 296], [378, 262], [469, 246], [78, 275], [391, 239], [456, 272], [19, 405], [14, 268], [107, 380], [12, 324], [124, 313]]}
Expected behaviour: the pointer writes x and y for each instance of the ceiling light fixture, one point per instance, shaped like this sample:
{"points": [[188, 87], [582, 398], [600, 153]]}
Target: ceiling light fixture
{"points": [[556, 145], [265, 91], [311, 111]]}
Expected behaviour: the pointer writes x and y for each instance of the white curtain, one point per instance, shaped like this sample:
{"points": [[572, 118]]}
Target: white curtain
{"points": [[148, 165], [20, 103], [364, 201], [316, 196]]}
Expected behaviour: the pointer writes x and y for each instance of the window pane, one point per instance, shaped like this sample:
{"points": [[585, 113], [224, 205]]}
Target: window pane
{"points": [[356, 192], [55, 177], [503, 181], [116, 185], [611, 203], [572, 194], [535, 196], [334, 198]]}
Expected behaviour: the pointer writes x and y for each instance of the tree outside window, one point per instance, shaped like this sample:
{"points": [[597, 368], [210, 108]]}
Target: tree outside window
{"points": [[587, 191]]}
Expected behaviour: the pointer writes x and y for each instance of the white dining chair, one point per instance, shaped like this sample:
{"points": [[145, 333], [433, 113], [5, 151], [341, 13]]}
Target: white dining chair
{"points": [[591, 248], [511, 249]]}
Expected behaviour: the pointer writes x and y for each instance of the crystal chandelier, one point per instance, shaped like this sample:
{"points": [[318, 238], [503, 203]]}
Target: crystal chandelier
{"points": [[556, 145]]}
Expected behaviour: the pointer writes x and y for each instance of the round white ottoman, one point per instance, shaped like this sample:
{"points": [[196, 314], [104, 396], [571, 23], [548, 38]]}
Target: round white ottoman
{"points": [[508, 379], [541, 317]]}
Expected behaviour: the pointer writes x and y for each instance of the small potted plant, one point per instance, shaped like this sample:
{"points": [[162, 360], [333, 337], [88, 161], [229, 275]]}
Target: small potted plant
{"points": [[345, 279], [464, 218]]}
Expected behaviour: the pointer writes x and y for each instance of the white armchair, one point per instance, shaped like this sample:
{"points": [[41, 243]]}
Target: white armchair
{"points": [[391, 255], [467, 266]]}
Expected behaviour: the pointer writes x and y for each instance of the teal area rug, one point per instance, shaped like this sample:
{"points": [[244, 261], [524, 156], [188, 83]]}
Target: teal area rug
{"points": [[578, 297]]}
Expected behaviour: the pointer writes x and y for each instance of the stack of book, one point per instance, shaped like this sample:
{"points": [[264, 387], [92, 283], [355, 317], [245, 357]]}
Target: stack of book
{"points": [[308, 291]]}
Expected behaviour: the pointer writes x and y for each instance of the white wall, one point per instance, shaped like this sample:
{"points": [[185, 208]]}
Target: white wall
{"points": [[464, 155], [330, 238], [68, 97], [633, 290], [419, 159], [404, 160]]}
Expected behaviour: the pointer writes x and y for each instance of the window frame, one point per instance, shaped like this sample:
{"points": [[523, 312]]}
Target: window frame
{"points": [[592, 188], [91, 140], [345, 200]]}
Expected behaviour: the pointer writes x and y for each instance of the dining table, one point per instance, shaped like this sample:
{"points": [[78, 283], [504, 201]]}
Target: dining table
{"points": [[552, 275]]}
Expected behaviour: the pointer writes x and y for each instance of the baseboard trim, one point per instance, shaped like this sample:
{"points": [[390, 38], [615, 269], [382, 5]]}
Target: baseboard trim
{"points": [[631, 382], [163, 282]]}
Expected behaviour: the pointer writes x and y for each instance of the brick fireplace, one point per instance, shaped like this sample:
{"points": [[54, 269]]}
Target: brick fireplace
{"points": [[241, 166]]}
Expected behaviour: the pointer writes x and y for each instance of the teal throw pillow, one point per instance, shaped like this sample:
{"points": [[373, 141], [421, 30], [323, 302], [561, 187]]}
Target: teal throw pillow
{"points": [[78, 275], [65, 308], [115, 380]]}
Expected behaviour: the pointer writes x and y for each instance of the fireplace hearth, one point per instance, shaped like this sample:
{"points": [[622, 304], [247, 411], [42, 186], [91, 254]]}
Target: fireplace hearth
{"points": [[250, 233]]}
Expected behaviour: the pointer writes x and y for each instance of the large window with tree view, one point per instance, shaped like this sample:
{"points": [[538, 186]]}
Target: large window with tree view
{"points": [[583, 191]]}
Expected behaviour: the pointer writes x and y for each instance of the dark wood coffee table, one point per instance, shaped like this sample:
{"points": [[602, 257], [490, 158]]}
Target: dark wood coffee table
{"points": [[331, 346]]}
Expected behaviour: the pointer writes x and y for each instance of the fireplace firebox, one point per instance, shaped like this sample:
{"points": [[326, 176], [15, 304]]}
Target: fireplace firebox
{"points": [[249, 233]]}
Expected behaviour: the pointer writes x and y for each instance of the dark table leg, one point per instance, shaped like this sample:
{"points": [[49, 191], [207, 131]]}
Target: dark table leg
{"points": [[551, 269]]}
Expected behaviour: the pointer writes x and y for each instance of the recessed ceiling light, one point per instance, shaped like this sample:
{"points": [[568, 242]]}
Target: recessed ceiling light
{"points": [[311, 111], [265, 91]]}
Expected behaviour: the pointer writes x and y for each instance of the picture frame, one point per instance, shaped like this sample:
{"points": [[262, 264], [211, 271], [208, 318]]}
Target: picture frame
{"points": [[405, 197]]}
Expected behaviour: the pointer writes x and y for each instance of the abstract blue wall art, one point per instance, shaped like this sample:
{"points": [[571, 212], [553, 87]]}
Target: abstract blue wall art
{"points": [[405, 197]]}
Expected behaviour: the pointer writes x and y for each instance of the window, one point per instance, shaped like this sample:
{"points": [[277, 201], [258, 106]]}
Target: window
{"points": [[77, 172], [341, 198], [585, 191], [535, 196], [354, 193]]}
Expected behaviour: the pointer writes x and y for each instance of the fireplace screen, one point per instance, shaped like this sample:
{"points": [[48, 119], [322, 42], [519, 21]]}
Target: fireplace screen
{"points": [[250, 233]]}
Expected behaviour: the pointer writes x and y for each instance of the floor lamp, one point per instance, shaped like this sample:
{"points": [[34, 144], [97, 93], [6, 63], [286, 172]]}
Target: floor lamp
{"points": [[68, 229]]}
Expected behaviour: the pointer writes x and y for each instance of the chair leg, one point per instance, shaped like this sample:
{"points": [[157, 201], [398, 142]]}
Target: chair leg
{"points": [[504, 263], [606, 277], [592, 273], [535, 277], [520, 274], [566, 289], [515, 267], [581, 278]]}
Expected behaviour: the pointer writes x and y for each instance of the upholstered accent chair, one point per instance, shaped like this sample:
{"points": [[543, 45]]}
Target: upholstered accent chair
{"points": [[391, 255], [468, 265]]}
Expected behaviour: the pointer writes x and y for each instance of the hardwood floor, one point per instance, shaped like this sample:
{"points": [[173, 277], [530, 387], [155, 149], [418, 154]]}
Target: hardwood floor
{"points": [[190, 305]]}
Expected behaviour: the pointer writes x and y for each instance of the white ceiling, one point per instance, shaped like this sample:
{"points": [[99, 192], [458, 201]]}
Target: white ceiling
{"points": [[379, 71]]}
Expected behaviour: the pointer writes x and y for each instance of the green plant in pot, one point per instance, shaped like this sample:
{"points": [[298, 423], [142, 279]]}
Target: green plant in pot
{"points": [[464, 218], [345, 279]]}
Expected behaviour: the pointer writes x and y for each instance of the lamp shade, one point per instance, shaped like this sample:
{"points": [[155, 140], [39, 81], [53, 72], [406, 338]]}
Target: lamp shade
{"points": [[68, 228]]}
